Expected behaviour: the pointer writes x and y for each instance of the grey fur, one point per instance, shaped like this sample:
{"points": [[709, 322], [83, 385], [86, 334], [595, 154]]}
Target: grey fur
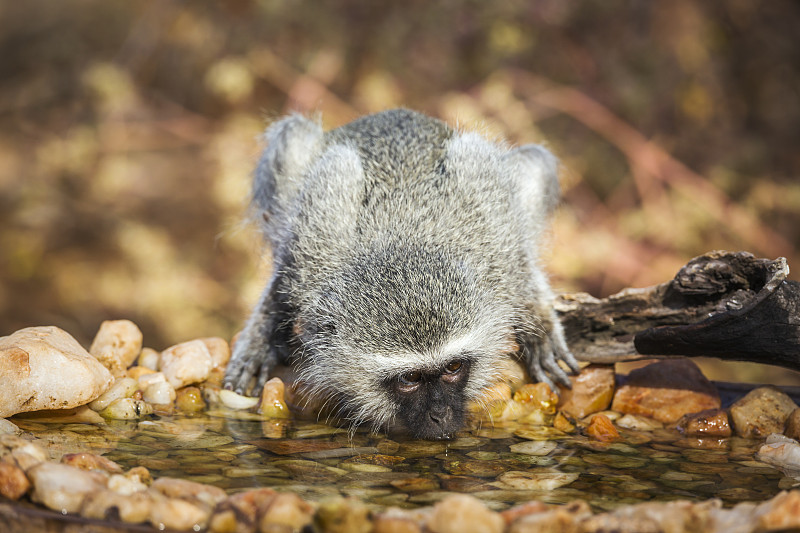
{"points": [[397, 244]]}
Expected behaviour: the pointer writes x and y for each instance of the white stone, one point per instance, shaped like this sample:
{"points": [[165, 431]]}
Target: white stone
{"points": [[122, 388], [149, 358], [117, 344], [159, 392], [8, 428], [781, 452], [145, 380], [126, 409], [186, 363], [236, 401], [45, 368], [219, 350], [63, 487]]}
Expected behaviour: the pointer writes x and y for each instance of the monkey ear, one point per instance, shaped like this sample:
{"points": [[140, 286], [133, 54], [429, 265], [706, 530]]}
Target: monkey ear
{"points": [[292, 144], [536, 170]]}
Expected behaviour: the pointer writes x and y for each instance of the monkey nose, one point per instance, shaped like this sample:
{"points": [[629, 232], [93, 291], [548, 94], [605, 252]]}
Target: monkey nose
{"points": [[441, 416]]}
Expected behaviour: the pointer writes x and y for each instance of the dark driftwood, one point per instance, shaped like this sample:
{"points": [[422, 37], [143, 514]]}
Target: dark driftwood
{"points": [[732, 306]]}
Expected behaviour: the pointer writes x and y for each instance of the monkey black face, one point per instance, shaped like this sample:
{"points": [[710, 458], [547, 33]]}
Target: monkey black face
{"points": [[432, 402]]}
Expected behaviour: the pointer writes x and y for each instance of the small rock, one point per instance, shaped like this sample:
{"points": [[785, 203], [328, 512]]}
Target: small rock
{"points": [[562, 423], [125, 485], [540, 518], [273, 400], [219, 350], [460, 513], [176, 513], [652, 517], [131, 508], [242, 511], [537, 480], [781, 513], [601, 428], [592, 391], [288, 511], [117, 345], [638, 423], [781, 452], [792, 429], [122, 388], [189, 490], [342, 515], [63, 487], [189, 400], [160, 392], [126, 409], [233, 400], [534, 447], [709, 423], [45, 368], [7, 427], [136, 372], [762, 411], [13, 481], [185, 363], [666, 391], [90, 461], [148, 358], [393, 524]]}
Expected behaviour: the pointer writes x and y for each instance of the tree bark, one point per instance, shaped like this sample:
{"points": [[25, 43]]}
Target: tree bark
{"points": [[728, 305]]}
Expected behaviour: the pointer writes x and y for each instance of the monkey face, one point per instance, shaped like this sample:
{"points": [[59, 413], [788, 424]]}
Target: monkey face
{"points": [[431, 403]]}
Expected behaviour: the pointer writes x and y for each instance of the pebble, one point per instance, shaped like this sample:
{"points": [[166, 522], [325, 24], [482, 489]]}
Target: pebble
{"points": [[116, 345], [761, 412], [536, 480], [159, 392], [148, 358], [592, 391], [792, 429], [189, 400], [781, 452], [461, 513], [90, 461], [45, 368], [63, 487], [219, 350], [602, 429], [126, 409], [709, 423], [13, 481], [638, 423], [540, 447], [666, 391], [122, 388], [342, 515], [7, 427], [232, 400], [186, 363]]}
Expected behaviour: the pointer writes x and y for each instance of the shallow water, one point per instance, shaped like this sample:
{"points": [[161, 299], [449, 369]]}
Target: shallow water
{"points": [[494, 464]]}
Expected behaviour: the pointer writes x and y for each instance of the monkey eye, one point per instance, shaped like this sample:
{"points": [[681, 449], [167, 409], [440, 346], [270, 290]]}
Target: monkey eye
{"points": [[453, 367], [411, 378]]}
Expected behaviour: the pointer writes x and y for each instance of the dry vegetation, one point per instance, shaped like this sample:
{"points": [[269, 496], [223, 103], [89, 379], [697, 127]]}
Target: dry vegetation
{"points": [[128, 133]]}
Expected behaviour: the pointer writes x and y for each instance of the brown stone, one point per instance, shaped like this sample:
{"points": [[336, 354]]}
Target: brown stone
{"points": [[792, 429], [601, 428], [666, 391], [13, 481], [592, 391], [708, 423], [762, 411]]}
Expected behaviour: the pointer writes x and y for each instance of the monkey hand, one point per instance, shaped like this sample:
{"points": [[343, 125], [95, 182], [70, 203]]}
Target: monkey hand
{"points": [[543, 355], [251, 358]]}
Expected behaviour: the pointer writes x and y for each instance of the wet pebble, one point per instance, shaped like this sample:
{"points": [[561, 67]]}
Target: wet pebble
{"points": [[537, 480], [761, 412], [541, 447], [591, 392]]}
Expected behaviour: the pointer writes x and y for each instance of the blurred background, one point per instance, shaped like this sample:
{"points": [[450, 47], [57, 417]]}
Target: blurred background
{"points": [[128, 132]]}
